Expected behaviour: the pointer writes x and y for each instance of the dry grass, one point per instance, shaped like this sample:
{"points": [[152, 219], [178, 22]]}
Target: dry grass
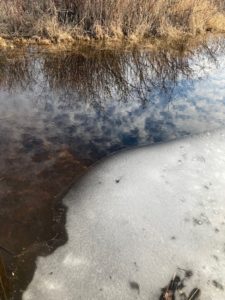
{"points": [[66, 20], [3, 43]]}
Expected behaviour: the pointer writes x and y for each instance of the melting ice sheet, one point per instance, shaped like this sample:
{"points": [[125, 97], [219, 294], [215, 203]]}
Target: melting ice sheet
{"points": [[136, 218]]}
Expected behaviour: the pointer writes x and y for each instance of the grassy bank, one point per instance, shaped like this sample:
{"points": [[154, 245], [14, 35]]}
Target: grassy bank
{"points": [[55, 21]]}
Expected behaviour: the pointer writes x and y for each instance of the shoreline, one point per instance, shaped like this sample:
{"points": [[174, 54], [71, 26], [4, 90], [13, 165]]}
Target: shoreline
{"points": [[180, 44]]}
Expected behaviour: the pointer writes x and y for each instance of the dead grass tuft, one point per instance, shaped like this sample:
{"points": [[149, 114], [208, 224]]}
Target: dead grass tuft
{"points": [[135, 20], [3, 43]]}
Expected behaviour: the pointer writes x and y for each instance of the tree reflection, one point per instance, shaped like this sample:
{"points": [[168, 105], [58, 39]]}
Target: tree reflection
{"points": [[96, 76]]}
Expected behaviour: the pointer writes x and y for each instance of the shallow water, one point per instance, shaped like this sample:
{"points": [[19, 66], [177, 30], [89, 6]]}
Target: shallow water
{"points": [[61, 112]]}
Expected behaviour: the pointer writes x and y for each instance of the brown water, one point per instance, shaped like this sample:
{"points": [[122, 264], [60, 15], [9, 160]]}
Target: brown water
{"points": [[61, 112]]}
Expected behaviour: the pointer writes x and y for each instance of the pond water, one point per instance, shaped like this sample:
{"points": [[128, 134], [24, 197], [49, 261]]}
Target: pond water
{"points": [[61, 112]]}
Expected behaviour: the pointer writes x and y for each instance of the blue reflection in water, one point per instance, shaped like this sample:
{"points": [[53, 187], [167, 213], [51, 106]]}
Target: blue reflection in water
{"points": [[123, 109]]}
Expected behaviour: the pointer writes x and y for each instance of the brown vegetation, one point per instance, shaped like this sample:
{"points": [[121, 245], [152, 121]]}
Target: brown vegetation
{"points": [[66, 20]]}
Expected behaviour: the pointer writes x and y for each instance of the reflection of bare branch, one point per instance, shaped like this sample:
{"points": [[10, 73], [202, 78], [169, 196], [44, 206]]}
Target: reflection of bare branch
{"points": [[124, 75], [95, 76], [16, 70]]}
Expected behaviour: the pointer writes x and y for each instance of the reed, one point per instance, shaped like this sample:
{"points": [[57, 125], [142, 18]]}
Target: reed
{"points": [[135, 20]]}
